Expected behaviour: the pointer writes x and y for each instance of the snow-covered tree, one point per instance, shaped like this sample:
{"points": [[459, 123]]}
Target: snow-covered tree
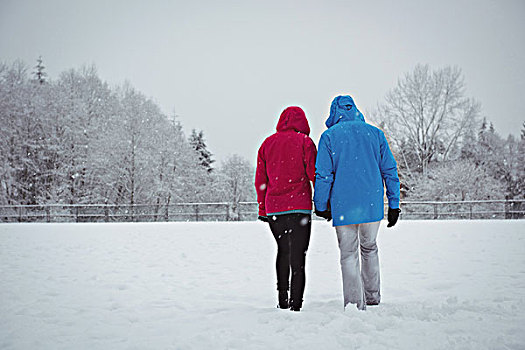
{"points": [[235, 183], [501, 159], [199, 145], [76, 140], [40, 74], [193, 180], [22, 124], [81, 124], [427, 114], [459, 180], [173, 156], [14, 161]]}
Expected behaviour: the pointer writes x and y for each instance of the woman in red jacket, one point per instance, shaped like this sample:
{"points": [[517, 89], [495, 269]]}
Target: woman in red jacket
{"points": [[285, 168]]}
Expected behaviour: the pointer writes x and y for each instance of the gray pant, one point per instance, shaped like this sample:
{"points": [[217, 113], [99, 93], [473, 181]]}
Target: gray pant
{"points": [[360, 283]]}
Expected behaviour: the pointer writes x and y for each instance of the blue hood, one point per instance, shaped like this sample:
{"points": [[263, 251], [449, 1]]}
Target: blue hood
{"points": [[343, 108]]}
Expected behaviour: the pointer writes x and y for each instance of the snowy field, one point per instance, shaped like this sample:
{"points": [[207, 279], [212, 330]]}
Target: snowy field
{"points": [[445, 285]]}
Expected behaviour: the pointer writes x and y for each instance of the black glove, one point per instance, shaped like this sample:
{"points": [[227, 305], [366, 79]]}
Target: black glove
{"points": [[326, 214], [393, 215], [263, 218]]}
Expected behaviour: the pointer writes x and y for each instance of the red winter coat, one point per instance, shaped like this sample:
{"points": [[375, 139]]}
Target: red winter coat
{"points": [[285, 166]]}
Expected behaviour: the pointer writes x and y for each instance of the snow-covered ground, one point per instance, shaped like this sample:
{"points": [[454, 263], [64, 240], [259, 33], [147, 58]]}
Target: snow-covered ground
{"points": [[445, 285]]}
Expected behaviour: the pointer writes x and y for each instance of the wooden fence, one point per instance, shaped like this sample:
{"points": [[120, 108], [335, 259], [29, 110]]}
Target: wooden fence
{"points": [[243, 211]]}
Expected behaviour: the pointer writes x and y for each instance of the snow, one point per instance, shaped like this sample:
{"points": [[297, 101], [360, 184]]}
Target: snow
{"points": [[445, 285]]}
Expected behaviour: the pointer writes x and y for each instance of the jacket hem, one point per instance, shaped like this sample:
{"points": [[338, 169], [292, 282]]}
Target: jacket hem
{"points": [[358, 222], [300, 211]]}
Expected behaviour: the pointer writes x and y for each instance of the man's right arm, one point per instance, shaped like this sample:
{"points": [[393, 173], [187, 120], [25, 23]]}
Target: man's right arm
{"points": [[388, 167]]}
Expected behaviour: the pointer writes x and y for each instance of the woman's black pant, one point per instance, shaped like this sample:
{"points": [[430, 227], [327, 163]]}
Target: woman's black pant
{"points": [[292, 234]]}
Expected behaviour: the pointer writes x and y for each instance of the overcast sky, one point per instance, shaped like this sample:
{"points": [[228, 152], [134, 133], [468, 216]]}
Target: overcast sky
{"points": [[230, 67]]}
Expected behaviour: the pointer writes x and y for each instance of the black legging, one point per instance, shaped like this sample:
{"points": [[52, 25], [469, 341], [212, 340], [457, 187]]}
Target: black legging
{"points": [[292, 234]]}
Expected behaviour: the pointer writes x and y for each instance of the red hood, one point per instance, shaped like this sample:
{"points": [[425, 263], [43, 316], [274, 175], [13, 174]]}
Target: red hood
{"points": [[293, 118]]}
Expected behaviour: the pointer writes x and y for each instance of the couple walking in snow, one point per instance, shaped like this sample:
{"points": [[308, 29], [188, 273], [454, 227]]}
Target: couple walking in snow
{"points": [[349, 172]]}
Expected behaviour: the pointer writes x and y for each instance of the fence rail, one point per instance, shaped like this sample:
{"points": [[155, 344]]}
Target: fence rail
{"points": [[243, 211]]}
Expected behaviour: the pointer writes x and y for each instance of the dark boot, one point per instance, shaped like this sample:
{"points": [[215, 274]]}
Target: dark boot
{"points": [[295, 306], [283, 299]]}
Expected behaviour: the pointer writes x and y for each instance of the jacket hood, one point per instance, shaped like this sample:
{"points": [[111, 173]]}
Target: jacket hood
{"points": [[343, 108], [293, 118]]}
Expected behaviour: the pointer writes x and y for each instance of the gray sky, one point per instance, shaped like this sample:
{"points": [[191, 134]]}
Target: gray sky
{"points": [[230, 67]]}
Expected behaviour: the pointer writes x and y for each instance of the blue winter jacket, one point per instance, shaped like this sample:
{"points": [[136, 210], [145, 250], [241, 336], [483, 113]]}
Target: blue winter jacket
{"points": [[353, 161]]}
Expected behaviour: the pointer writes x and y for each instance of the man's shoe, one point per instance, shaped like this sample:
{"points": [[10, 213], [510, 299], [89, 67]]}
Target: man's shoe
{"points": [[361, 306], [295, 308]]}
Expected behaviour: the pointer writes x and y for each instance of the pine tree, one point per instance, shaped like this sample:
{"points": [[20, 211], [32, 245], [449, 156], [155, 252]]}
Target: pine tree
{"points": [[40, 75], [199, 145], [483, 127]]}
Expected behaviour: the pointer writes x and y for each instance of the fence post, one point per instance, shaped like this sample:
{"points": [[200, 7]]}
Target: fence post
{"points": [[106, 213], [236, 211], [470, 211], [435, 211], [48, 216], [513, 212], [167, 214], [196, 212], [76, 214], [20, 214]]}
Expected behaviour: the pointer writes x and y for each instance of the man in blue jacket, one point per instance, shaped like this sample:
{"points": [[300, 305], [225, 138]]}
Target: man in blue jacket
{"points": [[353, 162]]}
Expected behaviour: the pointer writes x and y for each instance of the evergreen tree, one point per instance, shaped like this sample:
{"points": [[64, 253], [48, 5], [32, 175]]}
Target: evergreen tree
{"points": [[199, 145], [40, 74], [502, 160], [521, 164]]}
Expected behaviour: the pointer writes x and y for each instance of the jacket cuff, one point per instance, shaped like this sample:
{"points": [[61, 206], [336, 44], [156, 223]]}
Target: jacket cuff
{"points": [[393, 203], [319, 207]]}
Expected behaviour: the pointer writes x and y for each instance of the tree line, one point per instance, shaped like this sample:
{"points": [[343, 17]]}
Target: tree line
{"points": [[76, 140], [445, 150]]}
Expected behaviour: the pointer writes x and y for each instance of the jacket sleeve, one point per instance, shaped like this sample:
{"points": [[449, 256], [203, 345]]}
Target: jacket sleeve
{"points": [[324, 174], [388, 167], [261, 181], [310, 152]]}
